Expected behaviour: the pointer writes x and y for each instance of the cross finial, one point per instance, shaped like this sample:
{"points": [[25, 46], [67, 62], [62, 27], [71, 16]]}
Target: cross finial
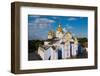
{"points": [[59, 25]]}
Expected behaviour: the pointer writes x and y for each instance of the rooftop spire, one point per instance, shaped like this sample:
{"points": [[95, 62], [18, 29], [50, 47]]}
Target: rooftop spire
{"points": [[59, 25], [59, 28]]}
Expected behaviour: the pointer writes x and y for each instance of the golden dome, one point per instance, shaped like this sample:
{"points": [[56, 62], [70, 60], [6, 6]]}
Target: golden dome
{"points": [[75, 40], [59, 28], [50, 32], [68, 36], [68, 32]]}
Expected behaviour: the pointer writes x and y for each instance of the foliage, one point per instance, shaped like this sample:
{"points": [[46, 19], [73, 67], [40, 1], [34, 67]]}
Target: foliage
{"points": [[83, 41], [34, 44]]}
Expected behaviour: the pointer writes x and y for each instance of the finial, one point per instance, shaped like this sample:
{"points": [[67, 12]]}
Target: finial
{"points": [[59, 25]]}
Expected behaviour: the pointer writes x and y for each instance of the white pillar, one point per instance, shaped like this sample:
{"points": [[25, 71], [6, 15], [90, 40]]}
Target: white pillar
{"points": [[41, 52], [54, 54], [47, 54], [67, 51], [63, 52], [74, 50]]}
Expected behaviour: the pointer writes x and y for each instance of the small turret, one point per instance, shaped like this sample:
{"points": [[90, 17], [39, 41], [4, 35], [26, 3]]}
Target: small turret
{"points": [[51, 34], [59, 28]]}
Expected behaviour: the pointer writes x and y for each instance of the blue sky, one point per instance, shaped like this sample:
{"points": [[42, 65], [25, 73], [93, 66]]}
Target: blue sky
{"points": [[39, 25]]}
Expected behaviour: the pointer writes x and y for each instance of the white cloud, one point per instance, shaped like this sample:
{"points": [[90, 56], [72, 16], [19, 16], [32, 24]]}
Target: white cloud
{"points": [[54, 17], [34, 16], [72, 18], [69, 27], [41, 23], [43, 20], [35, 27], [64, 29]]}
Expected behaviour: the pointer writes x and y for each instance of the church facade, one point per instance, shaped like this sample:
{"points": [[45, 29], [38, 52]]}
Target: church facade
{"points": [[60, 45]]}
